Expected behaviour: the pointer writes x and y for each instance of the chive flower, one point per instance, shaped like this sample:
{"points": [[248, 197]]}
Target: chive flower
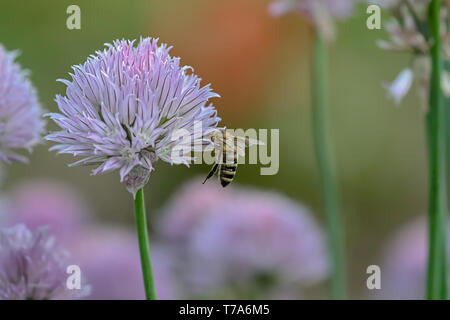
{"points": [[123, 106], [408, 32], [33, 267], [242, 243], [21, 124]]}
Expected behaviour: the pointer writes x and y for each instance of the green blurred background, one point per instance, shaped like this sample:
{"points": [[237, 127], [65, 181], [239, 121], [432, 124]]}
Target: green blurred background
{"points": [[260, 66]]}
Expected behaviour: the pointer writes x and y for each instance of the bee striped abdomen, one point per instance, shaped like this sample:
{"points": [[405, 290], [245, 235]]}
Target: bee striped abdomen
{"points": [[227, 170], [227, 173]]}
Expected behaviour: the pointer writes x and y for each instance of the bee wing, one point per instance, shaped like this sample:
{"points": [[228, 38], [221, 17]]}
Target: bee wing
{"points": [[208, 146], [252, 142], [243, 142], [241, 145], [233, 143]]}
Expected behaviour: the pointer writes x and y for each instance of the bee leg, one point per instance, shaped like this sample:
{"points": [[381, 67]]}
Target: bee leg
{"points": [[212, 172]]}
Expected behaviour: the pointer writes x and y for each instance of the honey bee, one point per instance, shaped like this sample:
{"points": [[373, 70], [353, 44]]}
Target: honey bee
{"points": [[228, 148]]}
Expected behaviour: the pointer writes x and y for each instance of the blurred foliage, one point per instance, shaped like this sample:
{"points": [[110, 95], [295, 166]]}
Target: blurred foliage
{"points": [[260, 66]]}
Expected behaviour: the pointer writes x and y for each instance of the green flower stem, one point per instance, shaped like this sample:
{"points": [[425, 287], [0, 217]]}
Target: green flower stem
{"points": [[327, 170], [437, 256], [144, 247], [447, 145], [447, 137], [447, 160]]}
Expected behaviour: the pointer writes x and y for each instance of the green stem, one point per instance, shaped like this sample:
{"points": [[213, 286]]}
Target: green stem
{"points": [[327, 170], [447, 168], [447, 137], [144, 247], [437, 256]]}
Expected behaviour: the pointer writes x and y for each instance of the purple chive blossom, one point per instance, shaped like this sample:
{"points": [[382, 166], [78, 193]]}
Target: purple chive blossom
{"points": [[243, 243], [124, 104], [21, 125], [32, 267], [320, 12]]}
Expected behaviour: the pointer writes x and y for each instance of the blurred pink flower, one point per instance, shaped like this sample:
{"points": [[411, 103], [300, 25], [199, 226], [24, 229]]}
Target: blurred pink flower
{"points": [[404, 263], [243, 243], [180, 219], [320, 12], [338, 9], [49, 203], [110, 259], [394, 4]]}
